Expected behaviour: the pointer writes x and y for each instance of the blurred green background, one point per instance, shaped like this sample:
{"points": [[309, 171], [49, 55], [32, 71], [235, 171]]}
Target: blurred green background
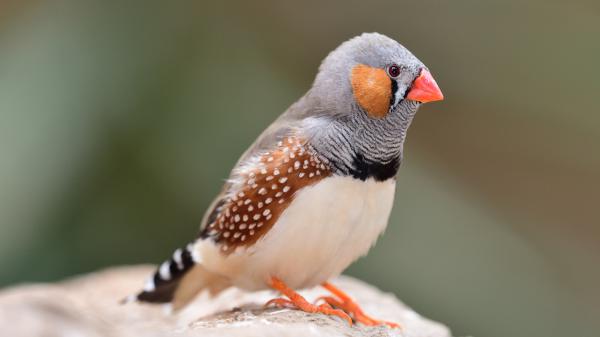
{"points": [[119, 122]]}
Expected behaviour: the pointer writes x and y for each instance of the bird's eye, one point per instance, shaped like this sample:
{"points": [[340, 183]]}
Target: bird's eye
{"points": [[393, 70]]}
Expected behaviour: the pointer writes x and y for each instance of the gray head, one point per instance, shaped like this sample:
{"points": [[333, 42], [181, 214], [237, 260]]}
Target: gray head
{"points": [[362, 103]]}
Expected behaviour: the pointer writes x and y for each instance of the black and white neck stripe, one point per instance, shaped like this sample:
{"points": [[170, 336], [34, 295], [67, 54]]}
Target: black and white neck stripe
{"points": [[363, 147]]}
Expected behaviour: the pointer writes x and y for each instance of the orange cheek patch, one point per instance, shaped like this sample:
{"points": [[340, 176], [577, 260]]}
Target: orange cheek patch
{"points": [[372, 90]]}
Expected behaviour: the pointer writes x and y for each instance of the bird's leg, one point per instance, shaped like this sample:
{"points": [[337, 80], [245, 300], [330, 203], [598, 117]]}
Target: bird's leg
{"points": [[344, 302], [297, 301]]}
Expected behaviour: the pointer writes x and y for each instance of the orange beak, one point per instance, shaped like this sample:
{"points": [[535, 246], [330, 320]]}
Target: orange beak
{"points": [[424, 89]]}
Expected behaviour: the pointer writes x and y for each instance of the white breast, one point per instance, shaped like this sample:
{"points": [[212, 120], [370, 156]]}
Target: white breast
{"points": [[327, 227]]}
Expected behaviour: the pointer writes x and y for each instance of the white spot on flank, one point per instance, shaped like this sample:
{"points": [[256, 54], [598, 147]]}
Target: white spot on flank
{"points": [[269, 178], [260, 224], [243, 226], [250, 208], [310, 175], [283, 179], [243, 237], [245, 217], [278, 194], [226, 234], [270, 159], [276, 172], [247, 201], [290, 169], [274, 186], [297, 165], [281, 201], [266, 212], [236, 218], [268, 200], [256, 216], [262, 191], [268, 217], [260, 204], [301, 174], [241, 194], [251, 232], [252, 225], [263, 171], [236, 235], [286, 188]]}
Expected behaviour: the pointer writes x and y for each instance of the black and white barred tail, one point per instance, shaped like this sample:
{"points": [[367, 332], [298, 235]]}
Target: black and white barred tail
{"points": [[178, 280], [161, 287]]}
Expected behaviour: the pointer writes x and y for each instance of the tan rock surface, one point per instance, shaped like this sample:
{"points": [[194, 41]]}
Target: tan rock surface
{"points": [[88, 306]]}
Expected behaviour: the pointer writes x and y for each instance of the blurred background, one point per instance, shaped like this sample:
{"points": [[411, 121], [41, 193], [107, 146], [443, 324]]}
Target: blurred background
{"points": [[119, 122]]}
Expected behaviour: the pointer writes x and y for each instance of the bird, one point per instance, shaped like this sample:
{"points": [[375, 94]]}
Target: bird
{"points": [[315, 190]]}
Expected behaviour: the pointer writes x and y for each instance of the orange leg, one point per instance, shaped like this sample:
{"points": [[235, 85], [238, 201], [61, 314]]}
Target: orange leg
{"points": [[344, 302], [297, 301]]}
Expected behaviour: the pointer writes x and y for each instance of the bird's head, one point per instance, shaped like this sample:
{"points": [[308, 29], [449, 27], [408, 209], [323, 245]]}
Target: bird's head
{"points": [[375, 74], [364, 98]]}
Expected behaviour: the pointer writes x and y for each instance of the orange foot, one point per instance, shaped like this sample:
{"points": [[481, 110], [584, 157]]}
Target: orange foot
{"points": [[344, 302], [299, 302]]}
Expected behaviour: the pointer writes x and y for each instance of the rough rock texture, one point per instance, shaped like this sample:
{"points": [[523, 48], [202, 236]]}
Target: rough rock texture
{"points": [[88, 306]]}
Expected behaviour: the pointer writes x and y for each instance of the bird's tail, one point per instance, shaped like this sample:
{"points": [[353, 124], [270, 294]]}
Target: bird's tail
{"points": [[178, 280]]}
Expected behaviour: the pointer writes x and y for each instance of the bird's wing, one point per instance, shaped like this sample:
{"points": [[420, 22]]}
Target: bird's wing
{"points": [[267, 141], [261, 190]]}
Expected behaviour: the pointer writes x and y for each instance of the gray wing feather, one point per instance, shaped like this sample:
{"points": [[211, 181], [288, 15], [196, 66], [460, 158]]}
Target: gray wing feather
{"points": [[280, 128]]}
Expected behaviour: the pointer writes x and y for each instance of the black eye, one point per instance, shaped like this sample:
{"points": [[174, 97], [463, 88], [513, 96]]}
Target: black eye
{"points": [[393, 70]]}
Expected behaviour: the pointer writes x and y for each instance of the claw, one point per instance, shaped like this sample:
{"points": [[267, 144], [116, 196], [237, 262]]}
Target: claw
{"points": [[298, 302], [346, 303], [281, 303]]}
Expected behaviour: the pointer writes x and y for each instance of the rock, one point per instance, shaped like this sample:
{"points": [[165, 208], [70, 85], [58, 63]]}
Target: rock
{"points": [[89, 306]]}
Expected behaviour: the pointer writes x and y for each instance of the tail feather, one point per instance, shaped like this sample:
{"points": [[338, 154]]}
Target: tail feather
{"points": [[161, 287], [178, 280]]}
